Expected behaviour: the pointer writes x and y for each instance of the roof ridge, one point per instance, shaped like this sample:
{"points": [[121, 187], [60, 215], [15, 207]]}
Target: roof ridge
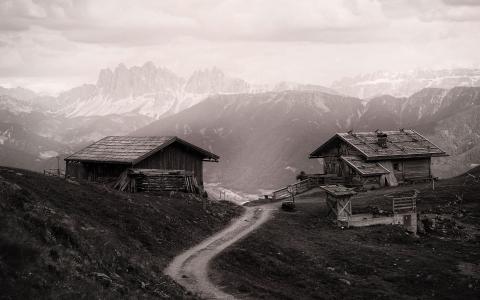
{"points": [[131, 149], [406, 143]]}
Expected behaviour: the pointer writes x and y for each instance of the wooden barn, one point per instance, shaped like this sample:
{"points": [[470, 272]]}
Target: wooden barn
{"points": [[374, 159], [141, 163]]}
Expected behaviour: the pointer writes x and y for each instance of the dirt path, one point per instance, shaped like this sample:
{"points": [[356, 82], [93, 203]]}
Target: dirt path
{"points": [[190, 269]]}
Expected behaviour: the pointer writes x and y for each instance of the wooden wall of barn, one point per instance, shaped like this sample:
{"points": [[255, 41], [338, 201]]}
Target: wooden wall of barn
{"points": [[416, 168], [331, 158], [97, 171], [410, 169], [75, 170], [175, 157], [94, 171]]}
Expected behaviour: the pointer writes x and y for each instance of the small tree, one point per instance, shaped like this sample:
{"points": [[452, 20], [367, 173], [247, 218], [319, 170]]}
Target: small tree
{"points": [[302, 176]]}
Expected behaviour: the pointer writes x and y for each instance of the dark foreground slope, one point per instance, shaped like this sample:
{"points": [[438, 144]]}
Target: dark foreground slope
{"points": [[63, 240], [300, 255]]}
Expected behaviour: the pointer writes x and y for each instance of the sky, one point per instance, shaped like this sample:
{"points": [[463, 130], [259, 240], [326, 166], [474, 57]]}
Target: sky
{"points": [[54, 45]]}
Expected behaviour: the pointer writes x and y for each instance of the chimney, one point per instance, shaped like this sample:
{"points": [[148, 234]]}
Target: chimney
{"points": [[382, 139]]}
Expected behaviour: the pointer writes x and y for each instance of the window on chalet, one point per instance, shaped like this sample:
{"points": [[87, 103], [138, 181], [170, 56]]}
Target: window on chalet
{"points": [[396, 167]]}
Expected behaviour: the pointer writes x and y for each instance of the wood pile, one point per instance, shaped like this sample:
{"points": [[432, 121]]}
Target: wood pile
{"points": [[125, 183], [157, 180]]}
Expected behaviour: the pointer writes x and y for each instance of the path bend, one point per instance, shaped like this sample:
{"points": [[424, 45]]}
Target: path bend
{"points": [[190, 269]]}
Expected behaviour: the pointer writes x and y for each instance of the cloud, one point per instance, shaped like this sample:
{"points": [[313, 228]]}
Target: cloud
{"points": [[462, 2], [454, 14], [152, 22], [443, 11], [66, 42], [128, 23]]}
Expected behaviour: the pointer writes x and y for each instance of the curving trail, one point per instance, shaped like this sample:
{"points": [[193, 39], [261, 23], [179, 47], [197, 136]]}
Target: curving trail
{"points": [[190, 269]]}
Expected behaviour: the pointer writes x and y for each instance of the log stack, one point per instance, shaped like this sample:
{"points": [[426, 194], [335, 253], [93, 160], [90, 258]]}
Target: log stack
{"points": [[157, 180]]}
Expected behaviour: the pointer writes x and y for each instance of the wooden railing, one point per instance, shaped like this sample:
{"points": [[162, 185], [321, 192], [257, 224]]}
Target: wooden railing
{"points": [[295, 189], [316, 179], [321, 179], [313, 180]]}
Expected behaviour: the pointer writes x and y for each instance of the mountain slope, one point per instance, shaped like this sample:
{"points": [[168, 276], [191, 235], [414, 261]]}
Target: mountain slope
{"points": [[66, 240], [264, 139], [22, 148]]}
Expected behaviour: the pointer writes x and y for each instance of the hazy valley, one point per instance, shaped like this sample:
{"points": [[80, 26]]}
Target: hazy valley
{"points": [[263, 134]]}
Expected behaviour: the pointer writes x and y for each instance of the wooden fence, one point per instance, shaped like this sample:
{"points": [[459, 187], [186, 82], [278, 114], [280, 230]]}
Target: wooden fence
{"points": [[404, 204], [295, 189], [54, 172]]}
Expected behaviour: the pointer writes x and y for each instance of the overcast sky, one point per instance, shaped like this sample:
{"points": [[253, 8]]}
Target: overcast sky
{"points": [[54, 45]]}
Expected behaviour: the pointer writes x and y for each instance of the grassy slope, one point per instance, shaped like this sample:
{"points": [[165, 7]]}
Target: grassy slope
{"points": [[68, 241], [302, 256]]}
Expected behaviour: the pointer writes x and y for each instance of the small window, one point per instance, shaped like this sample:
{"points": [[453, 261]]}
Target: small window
{"points": [[396, 166]]}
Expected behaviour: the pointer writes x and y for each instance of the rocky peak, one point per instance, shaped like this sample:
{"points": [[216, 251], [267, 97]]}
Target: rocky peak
{"points": [[211, 81], [126, 82]]}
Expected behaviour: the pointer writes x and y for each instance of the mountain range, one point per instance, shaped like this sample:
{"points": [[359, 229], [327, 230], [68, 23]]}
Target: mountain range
{"points": [[264, 139], [262, 133], [405, 84], [145, 90]]}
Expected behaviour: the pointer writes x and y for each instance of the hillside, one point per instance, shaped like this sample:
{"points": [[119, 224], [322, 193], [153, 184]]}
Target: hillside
{"points": [[30, 136], [302, 255], [66, 240], [22, 148], [264, 139]]}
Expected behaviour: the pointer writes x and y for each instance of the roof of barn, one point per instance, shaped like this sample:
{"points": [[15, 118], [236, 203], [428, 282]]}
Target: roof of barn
{"points": [[363, 167], [400, 144], [131, 149]]}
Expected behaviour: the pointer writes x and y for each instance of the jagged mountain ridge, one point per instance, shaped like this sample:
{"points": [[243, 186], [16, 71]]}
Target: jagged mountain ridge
{"points": [[404, 84], [264, 139], [121, 100], [147, 90]]}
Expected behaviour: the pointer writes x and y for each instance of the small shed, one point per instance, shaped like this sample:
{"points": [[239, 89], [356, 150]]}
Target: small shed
{"points": [[116, 157], [402, 210], [378, 158], [338, 201]]}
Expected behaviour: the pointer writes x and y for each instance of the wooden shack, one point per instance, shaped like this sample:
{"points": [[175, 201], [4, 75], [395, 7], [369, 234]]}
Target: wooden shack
{"points": [[150, 159], [338, 202], [380, 158]]}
